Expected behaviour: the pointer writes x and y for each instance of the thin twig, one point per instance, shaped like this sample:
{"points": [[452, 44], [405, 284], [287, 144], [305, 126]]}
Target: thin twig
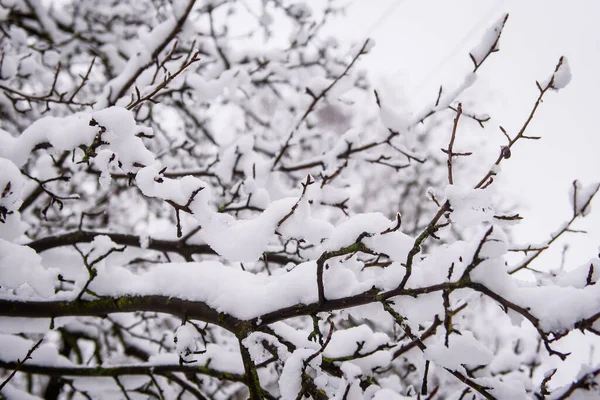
{"points": [[21, 362]]}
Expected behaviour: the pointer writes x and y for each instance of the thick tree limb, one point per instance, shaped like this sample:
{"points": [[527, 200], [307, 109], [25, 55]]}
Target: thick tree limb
{"points": [[160, 369], [169, 246]]}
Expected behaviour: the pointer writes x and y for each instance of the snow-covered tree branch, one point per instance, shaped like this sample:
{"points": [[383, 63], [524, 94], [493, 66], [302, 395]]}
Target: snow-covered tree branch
{"points": [[208, 199]]}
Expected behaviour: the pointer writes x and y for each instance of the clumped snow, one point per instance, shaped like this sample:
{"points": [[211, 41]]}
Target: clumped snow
{"points": [[462, 349], [470, 206], [20, 265], [11, 185], [269, 196], [489, 41], [186, 340], [580, 197], [562, 76], [15, 348], [290, 381]]}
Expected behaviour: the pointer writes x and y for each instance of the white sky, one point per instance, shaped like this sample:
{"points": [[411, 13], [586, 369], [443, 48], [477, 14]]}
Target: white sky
{"points": [[424, 43]]}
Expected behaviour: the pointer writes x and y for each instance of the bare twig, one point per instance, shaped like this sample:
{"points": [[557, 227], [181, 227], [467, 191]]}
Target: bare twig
{"points": [[312, 105], [449, 152], [20, 363]]}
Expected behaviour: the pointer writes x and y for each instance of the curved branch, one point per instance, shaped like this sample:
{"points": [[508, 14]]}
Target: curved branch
{"points": [[138, 369], [107, 305], [160, 47], [198, 310], [202, 311], [586, 382], [168, 246], [316, 98], [252, 380]]}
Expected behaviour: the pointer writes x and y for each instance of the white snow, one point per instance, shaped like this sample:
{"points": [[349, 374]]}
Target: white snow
{"points": [[346, 342], [254, 344], [207, 90], [249, 124], [11, 185], [470, 206], [582, 194], [21, 265], [489, 41], [462, 349], [290, 381], [187, 337], [13, 393], [15, 348], [562, 76], [545, 302], [121, 130], [388, 394]]}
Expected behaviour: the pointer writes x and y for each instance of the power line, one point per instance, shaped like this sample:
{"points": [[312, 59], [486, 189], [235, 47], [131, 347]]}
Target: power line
{"points": [[483, 20], [383, 17]]}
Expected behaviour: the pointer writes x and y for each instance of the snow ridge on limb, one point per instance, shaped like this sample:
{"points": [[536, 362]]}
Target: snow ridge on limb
{"points": [[187, 212]]}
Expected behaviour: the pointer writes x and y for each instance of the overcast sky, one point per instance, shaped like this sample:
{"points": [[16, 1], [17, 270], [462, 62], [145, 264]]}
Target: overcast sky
{"points": [[424, 43]]}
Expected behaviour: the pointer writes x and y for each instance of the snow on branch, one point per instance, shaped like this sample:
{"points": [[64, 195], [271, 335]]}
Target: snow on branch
{"points": [[489, 43], [194, 204]]}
